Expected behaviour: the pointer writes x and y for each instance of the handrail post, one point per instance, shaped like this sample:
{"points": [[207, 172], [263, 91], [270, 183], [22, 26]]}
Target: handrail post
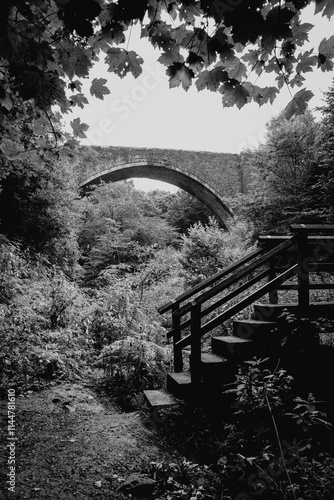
{"points": [[303, 271], [273, 296], [195, 359], [176, 321]]}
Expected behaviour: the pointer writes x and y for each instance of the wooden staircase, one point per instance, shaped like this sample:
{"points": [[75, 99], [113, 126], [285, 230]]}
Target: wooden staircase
{"points": [[279, 263]]}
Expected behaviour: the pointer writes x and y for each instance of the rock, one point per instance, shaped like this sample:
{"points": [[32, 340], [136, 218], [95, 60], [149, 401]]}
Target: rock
{"points": [[138, 484]]}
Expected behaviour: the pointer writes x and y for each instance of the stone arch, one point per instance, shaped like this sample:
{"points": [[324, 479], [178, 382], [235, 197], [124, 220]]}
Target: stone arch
{"points": [[187, 181]]}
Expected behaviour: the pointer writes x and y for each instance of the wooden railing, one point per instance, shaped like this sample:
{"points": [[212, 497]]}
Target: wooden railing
{"points": [[305, 254]]}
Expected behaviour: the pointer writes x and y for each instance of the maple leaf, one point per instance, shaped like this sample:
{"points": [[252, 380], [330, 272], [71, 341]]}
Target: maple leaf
{"points": [[172, 10], [261, 95], [188, 13], [79, 128], [98, 88], [234, 94], [182, 35], [300, 33], [298, 104], [236, 69], [268, 94], [122, 62], [251, 57], [220, 44], [306, 62], [327, 6], [171, 56], [75, 85], [75, 60], [298, 80], [326, 53], [211, 80], [195, 62], [199, 44], [179, 74], [160, 36], [78, 100]]}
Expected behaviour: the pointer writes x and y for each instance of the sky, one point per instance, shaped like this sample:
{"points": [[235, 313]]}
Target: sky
{"points": [[145, 112]]}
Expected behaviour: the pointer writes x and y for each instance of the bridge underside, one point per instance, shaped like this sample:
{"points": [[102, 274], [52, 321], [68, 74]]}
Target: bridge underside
{"points": [[189, 183]]}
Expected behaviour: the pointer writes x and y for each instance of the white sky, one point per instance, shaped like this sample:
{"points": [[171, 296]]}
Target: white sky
{"points": [[144, 112]]}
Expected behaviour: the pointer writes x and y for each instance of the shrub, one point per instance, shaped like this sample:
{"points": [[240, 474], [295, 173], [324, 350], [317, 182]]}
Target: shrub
{"points": [[130, 366], [207, 248]]}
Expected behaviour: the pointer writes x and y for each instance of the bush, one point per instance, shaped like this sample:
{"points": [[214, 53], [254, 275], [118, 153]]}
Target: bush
{"points": [[130, 366], [207, 248]]}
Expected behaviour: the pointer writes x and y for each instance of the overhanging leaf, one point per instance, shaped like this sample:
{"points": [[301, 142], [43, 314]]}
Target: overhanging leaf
{"points": [[122, 62], [211, 80], [78, 100], [326, 54], [298, 104], [300, 32], [79, 128], [326, 7], [98, 88], [234, 94], [236, 69], [180, 74]]}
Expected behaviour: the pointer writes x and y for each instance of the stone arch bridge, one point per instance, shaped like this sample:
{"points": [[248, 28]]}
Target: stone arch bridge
{"points": [[210, 177]]}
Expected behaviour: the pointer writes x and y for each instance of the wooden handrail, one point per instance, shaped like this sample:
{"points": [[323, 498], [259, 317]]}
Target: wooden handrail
{"points": [[220, 302], [243, 272], [237, 276], [241, 305], [212, 279], [313, 227]]}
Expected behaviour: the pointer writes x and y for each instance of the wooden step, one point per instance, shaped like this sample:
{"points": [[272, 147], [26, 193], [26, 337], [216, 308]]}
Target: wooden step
{"points": [[213, 365], [210, 359], [270, 312], [217, 370], [252, 328], [232, 347], [179, 384], [160, 399]]}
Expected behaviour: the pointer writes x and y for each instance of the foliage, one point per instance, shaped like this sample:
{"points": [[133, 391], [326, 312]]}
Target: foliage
{"points": [[42, 323], [324, 186], [32, 355], [185, 210], [130, 366], [207, 248], [47, 48], [115, 230], [39, 210], [13, 268], [283, 177], [114, 315], [269, 462], [184, 479], [268, 441]]}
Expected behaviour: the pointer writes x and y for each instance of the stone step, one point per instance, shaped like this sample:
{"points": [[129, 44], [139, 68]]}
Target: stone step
{"points": [[270, 312], [179, 384], [160, 399], [232, 347], [252, 329]]}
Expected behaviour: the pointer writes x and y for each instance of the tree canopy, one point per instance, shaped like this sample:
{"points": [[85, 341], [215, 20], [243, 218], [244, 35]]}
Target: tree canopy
{"points": [[47, 48]]}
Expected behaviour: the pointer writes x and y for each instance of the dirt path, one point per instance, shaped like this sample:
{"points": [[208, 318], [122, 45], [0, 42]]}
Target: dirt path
{"points": [[72, 445]]}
